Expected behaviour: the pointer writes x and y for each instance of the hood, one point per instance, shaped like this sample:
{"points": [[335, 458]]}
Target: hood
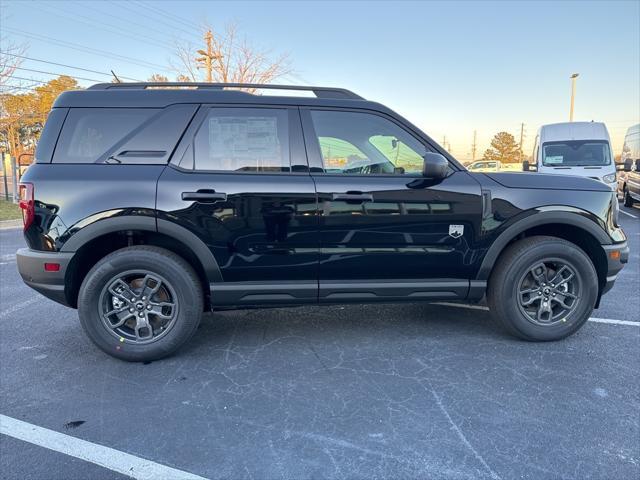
{"points": [[547, 181]]}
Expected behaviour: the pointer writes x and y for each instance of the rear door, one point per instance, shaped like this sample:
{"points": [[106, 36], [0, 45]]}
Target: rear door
{"points": [[239, 181], [386, 231]]}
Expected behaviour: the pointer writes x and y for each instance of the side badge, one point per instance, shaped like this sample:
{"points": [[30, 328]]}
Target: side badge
{"points": [[456, 231]]}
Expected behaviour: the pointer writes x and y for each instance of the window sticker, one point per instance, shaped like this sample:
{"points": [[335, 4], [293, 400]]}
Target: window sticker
{"points": [[244, 141], [554, 160]]}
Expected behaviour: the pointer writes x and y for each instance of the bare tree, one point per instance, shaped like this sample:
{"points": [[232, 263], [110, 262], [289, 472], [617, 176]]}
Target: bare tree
{"points": [[234, 60], [158, 78], [10, 59]]}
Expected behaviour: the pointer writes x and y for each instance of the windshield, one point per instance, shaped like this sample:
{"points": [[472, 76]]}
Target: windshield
{"points": [[576, 153]]}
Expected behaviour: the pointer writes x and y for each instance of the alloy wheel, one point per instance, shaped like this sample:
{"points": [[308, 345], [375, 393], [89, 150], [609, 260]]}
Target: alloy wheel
{"points": [[138, 306], [548, 292]]}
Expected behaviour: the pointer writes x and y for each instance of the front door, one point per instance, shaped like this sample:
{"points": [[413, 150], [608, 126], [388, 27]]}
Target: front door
{"points": [[386, 231], [242, 185]]}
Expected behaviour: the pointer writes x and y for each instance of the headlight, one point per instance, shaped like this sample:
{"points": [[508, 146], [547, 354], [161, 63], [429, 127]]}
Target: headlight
{"points": [[609, 178]]}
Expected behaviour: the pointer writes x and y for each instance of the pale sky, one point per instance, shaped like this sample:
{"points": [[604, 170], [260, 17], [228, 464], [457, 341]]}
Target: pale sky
{"points": [[449, 67]]}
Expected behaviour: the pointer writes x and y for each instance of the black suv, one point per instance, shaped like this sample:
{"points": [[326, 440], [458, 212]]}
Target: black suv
{"points": [[149, 204]]}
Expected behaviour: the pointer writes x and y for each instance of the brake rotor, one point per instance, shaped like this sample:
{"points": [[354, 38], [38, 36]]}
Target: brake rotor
{"points": [[136, 286]]}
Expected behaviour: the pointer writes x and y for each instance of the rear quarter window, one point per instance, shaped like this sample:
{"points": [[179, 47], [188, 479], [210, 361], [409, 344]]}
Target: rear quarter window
{"points": [[88, 133], [49, 136]]}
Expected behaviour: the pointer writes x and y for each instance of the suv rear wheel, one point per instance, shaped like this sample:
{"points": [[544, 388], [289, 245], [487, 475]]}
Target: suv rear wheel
{"points": [[140, 303], [543, 289]]}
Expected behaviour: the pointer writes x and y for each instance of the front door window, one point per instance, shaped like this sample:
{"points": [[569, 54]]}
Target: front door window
{"points": [[356, 143]]}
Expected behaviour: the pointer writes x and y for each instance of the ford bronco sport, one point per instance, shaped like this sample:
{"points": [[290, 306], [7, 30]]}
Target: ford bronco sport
{"points": [[149, 204]]}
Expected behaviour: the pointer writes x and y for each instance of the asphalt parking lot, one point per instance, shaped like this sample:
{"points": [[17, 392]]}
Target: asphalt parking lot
{"points": [[402, 391]]}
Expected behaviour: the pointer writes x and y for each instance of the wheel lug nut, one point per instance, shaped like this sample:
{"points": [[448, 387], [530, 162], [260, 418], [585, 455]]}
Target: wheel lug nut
{"points": [[149, 306], [131, 310], [144, 298], [141, 314]]}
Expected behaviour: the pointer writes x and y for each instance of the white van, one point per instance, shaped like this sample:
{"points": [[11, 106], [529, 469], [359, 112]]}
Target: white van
{"points": [[574, 148]]}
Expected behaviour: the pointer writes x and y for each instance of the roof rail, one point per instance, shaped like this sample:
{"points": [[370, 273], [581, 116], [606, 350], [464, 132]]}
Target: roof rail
{"points": [[320, 92]]}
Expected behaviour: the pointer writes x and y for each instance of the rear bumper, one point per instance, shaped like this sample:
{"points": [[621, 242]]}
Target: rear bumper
{"points": [[614, 265], [50, 284]]}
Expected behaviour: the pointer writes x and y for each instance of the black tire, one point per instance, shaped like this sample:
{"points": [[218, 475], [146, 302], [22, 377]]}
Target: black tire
{"points": [[628, 200], [177, 279], [511, 271]]}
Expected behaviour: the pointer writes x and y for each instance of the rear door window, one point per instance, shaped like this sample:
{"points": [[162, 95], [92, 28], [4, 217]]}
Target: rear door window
{"points": [[244, 140], [88, 133]]}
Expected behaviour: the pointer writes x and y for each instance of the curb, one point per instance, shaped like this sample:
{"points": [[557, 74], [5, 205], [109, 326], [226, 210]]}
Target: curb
{"points": [[10, 224]]}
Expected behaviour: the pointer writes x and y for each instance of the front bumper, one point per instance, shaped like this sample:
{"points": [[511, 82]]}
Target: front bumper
{"points": [[50, 284], [617, 257]]}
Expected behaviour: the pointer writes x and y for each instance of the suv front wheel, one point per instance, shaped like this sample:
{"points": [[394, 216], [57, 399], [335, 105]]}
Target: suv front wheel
{"points": [[627, 198], [140, 303], [543, 288]]}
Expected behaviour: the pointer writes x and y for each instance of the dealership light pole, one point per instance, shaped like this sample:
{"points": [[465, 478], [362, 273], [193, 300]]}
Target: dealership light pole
{"points": [[573, 94]]}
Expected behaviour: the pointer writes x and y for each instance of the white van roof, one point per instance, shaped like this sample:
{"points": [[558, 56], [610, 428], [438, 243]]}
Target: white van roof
{"points": [[573, 131]]}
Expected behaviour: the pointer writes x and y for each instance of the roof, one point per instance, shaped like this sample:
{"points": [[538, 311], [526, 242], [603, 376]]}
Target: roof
{"points": [[573, 131], [149, 95], [157, 95]]}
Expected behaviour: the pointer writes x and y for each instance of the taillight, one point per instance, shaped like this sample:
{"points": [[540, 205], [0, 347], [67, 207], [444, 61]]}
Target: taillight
{"points": [[27, 204]]}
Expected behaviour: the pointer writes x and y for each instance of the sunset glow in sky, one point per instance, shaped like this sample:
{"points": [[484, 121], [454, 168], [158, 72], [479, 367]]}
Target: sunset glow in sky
{"points": [[451, 68]]}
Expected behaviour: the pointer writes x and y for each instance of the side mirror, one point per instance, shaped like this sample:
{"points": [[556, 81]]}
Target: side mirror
{"points": [[638, 165], [627, 165], [435, 166], [525, 166]]}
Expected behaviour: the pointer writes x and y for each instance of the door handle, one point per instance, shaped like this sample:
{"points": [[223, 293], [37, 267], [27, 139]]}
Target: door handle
{"points": [[353, 197], [204, 196]]}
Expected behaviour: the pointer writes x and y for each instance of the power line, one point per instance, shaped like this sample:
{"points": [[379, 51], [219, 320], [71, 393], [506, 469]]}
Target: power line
{"points": [[176, 18], [58, 74], [28, 88], [82, 48], [7, 86], [128, 20], [66, 66], [147, 9], [28, 79], [108, 27]]}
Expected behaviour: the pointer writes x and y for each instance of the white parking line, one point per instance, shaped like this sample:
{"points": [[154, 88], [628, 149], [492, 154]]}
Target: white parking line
{"points": [[106, 457], [615, 322], [592, 319], [7, 258], [20, 306], [627, 213]]}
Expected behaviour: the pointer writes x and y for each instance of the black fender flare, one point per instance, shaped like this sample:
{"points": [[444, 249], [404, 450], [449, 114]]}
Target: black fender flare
{"points": [[560, 214], [105, 226]]}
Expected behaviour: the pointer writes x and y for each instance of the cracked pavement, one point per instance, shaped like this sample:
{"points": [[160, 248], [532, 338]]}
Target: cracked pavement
{"points": [[359, 391]]}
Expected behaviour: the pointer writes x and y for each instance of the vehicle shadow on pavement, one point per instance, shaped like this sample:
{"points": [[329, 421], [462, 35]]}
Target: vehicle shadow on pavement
{"points": [[352, 323]]}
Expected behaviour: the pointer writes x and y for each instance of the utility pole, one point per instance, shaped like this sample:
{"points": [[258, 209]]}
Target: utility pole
{"points": [[207, 58], [444, 142], [521, 138], [474, 146], [573, 94]]}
